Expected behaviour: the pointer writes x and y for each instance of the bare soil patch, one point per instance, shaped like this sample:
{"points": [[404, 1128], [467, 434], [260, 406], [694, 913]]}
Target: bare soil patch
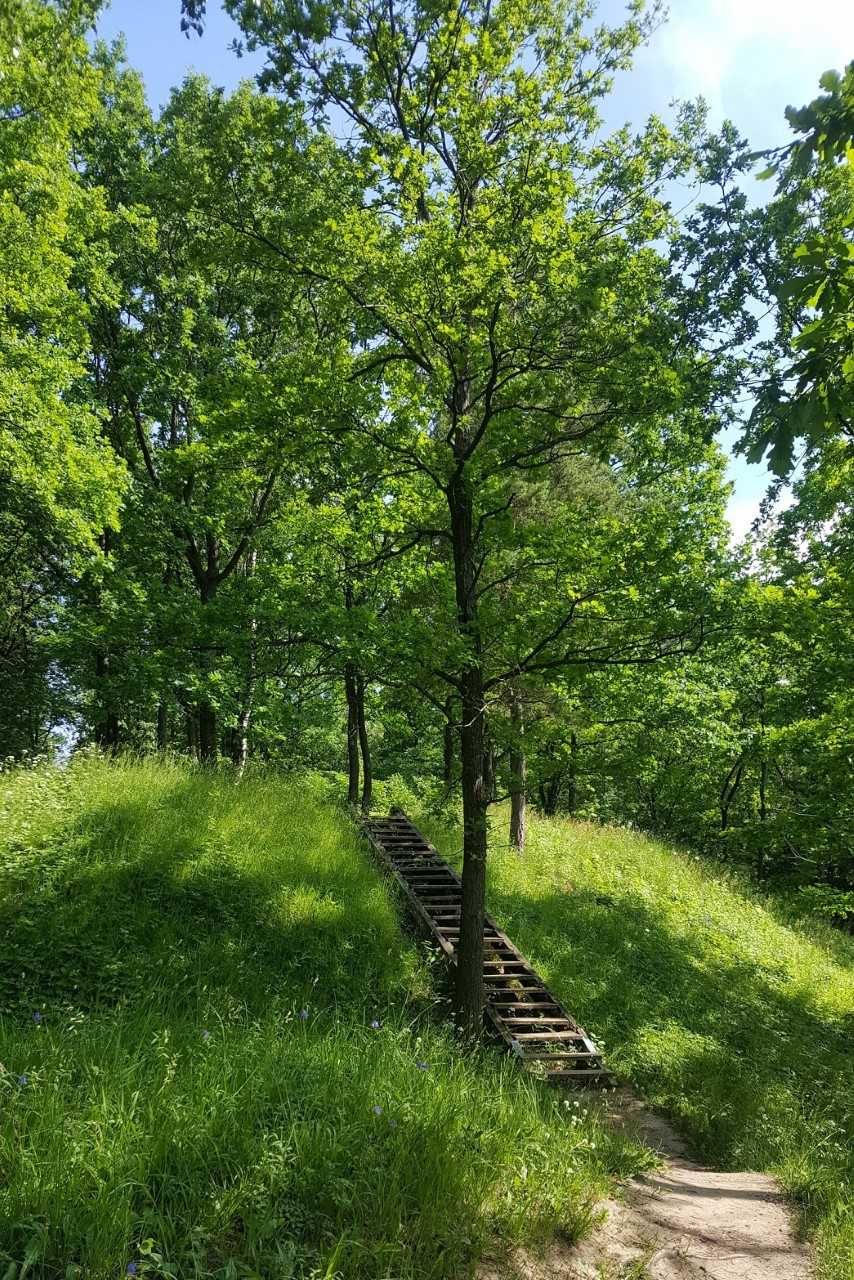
{"points": [[680, 1222]]}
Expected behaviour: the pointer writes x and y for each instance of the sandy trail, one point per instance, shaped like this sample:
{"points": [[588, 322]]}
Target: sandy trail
{"points": [[680, 1222]]}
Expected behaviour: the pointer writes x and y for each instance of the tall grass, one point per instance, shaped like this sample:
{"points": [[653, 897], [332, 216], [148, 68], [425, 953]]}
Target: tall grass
{"points": [[222, 1059], [736, 1021]]}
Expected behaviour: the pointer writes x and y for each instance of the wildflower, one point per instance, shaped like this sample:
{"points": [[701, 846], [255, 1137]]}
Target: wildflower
{"points": [[37, 1017], [206, 1035], [423, 1066], [132, 1268], [23, 1081], [303, 1015], [392, 1124], [377, 1111], [375, 1025]]}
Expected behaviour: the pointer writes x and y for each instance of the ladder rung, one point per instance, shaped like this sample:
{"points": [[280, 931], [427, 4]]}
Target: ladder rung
{"points": [[520, 1005], [531, 1036], [566, 1055]]}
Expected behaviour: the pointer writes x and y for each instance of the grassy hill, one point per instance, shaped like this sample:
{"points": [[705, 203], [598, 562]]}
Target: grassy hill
{"points": [[222, 1059], [736, 1021]]}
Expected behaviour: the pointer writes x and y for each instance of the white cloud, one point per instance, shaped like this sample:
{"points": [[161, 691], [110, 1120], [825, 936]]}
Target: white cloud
{"points": [[741, 513], [754, 56]]}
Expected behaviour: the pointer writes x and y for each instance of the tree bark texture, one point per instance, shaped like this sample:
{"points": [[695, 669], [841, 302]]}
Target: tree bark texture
{"points": [[364, 746], [352, 734], [468, 992], [518, 776]]}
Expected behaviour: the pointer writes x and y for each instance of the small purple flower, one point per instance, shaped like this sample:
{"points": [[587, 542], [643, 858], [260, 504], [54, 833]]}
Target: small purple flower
{"points": [[423, 1066], [375, 1025], [377, 1111], [37, 1017], [132, 1268], [303, 1015], [392, 1124], [23, 1081], [206, 1035]]}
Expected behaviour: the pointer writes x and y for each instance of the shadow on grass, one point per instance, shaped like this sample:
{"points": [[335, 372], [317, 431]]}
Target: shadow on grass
{"points": [[108, 917], [691, 1025], [269, 1145]]}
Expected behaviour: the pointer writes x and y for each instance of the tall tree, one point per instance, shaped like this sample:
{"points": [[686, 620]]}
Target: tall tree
{"points": [[808, 396], [512, 307], [60, 486], [213, 375]]}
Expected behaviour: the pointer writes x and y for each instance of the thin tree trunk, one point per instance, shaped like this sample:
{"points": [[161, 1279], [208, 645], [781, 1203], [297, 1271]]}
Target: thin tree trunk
{"points": [[550, 794], [244, 718], [206, 715], [352, 735], [490, 787], [364, 745], [162, 725], [241, 736], [518, 776], [106, 727], [191, 719], [729, 791], [468, 993], [205, 710], [572, 782], [763, 817]]}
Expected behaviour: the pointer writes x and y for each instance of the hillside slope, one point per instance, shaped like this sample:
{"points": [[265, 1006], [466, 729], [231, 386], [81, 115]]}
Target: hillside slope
{"points": [[222, 1059], [736, 1022]]}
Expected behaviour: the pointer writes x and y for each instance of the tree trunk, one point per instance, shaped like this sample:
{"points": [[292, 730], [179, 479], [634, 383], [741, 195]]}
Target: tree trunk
{"points": [[550, 794], [107, 732], [729, 791], [763, 817], [518, 776], [448, 752], [106, 727], [244, 717], [192, 727], [162, 725], [364, 746], [241, 736], [206, 716], [490, 786], [468, 993], [572, 781], [205, 710], [352, 734]]}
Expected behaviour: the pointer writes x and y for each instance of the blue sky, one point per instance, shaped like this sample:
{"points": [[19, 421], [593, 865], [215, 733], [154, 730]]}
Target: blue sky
{"points": [[748, 58]]}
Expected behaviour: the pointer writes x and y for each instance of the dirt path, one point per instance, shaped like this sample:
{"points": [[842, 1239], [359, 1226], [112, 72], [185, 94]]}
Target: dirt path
{"points": [[681, 1222]]}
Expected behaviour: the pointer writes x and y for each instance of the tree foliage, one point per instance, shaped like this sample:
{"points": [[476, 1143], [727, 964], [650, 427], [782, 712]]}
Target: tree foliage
{"points": [[364, 418]]}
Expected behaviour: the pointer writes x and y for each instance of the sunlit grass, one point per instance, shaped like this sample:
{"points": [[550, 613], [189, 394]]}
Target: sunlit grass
{"points": [[737, 1022], [193, 1085]]}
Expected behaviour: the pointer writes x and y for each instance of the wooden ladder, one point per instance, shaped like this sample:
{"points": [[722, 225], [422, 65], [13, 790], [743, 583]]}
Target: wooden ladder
{"points": [[529, 1019]]}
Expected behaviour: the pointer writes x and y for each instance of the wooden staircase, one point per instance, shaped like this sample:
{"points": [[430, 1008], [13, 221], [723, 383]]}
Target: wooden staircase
{"points": [[527, 1017]]}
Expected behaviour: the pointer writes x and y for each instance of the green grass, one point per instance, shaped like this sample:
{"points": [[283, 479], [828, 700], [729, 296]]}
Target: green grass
{"points": [[738, 1023], [170, 1108]]}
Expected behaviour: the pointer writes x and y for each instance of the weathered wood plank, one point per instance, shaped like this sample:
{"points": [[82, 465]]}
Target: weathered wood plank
{"points": [[431, 889]]}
